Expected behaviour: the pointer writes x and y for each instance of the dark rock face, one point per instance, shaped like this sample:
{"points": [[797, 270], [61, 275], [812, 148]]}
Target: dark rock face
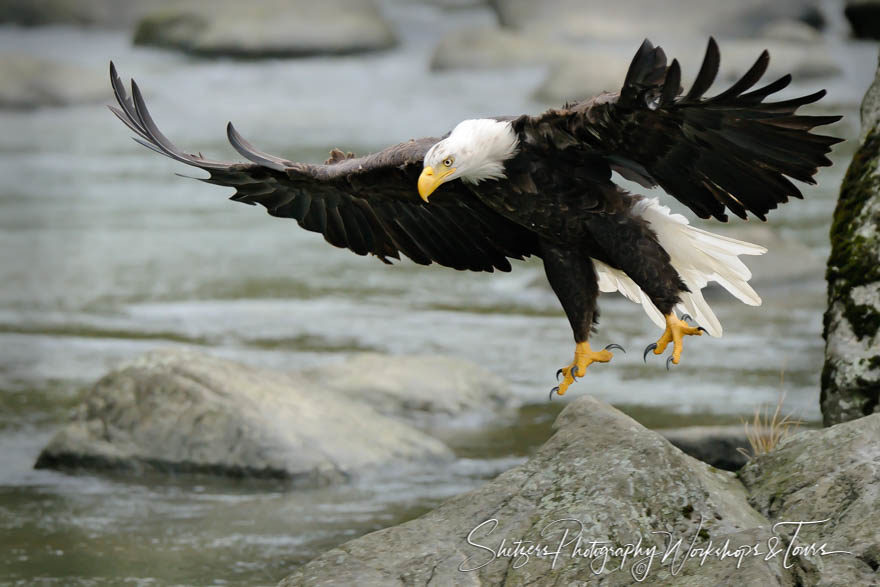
{"points": [[864, 18], [716, 445], [851, 376]]}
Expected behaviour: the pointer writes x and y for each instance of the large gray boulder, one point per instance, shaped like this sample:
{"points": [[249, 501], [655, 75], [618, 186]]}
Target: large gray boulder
{"points": [[492, 48], [851, 376], [267, 28], [421, 389], [612, 483], [98, 13], [618, 480], [585, 73], [831, 475], [633, 19], [176, 410], [29, 82]]}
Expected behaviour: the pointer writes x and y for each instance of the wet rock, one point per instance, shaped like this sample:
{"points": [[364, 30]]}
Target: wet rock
{"points": [[417, 387], [101, 13], [602, 472], [864, 18], [661, 21], [791, 31], [581, 77], [716, 445], [29, 82], [175, 410], [851, 376], [832, 475], [494, 48], [267, 28], [584, 73]]}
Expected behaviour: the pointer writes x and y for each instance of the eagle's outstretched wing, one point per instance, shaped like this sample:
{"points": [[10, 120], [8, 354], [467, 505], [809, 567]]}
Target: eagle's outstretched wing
{"points": [[366, 204], [729, 151]]}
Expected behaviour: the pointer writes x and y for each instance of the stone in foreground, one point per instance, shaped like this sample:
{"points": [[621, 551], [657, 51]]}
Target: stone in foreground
{"points": [[620, 481], [183, 411], [831, 475]]}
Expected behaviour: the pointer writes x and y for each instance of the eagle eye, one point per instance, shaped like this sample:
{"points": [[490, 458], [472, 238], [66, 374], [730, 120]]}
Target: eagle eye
{"points": [[448, 161]]}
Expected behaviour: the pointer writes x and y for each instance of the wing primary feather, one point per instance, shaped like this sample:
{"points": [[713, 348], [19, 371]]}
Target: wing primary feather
{"points": [[124, 100], [789, 106], [128, 122], [153, 147], [637, 65], [673, 83], [748, 80], [248, 151], [708, 72], [756, 96], [159, 139]]}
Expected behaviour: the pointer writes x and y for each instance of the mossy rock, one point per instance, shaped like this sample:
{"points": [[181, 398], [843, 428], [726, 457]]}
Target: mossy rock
{"points": [[851, 375]]}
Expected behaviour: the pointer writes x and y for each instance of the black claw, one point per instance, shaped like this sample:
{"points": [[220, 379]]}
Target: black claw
{"points": [[686, 317], [648, 349], [574, 373], [552, 391], [668, 361], [558, 373], [701, 329], [614, 345]]}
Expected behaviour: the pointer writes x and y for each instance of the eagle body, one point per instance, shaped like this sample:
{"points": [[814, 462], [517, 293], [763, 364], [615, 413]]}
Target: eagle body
{"points": [[510, 187]]}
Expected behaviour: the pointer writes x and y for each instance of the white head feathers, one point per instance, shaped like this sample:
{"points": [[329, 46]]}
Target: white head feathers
{"points": [[477, 149]]}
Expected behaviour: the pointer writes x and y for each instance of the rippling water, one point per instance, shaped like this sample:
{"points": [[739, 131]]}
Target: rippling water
{"points": [[105, 253]]}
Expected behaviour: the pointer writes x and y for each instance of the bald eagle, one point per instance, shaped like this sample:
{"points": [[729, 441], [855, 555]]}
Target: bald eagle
{"points": [[511, 187]]}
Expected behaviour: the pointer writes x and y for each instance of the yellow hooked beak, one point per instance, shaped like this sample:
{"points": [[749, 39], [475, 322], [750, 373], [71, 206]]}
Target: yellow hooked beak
{"points": [[430, 181]]}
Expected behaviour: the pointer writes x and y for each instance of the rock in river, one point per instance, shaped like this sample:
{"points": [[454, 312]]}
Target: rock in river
{"points": [[178, 410], [416, 387], [609, 481], [267, 28], [30, 82]]}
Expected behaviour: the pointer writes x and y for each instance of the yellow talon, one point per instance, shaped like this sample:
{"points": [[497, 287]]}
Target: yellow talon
{"points": [[675, 331], [584, 356]]}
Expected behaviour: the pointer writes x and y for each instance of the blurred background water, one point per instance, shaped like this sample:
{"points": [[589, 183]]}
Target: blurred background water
{"points": [[105, 254]]}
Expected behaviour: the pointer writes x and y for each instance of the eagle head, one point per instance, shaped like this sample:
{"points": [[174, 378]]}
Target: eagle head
{"points": [[474, 151]]}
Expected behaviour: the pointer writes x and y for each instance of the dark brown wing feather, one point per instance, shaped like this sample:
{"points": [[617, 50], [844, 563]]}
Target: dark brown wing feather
{"points": [[732, 151], [366, 204]]}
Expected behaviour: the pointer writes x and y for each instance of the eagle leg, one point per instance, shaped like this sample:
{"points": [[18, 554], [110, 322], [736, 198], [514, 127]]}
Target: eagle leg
{"points": [[572, 276], [584, 356], [676, 330]]}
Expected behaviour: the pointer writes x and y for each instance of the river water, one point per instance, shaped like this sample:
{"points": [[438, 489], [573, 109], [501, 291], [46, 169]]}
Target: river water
{"points": [[105, 254]]}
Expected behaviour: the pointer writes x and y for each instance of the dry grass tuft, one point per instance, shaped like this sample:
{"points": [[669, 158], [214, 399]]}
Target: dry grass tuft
{"points": [[766, 431]]}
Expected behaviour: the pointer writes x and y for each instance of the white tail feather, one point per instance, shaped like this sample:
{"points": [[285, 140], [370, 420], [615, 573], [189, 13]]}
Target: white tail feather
{"points": [[698, 256]]}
